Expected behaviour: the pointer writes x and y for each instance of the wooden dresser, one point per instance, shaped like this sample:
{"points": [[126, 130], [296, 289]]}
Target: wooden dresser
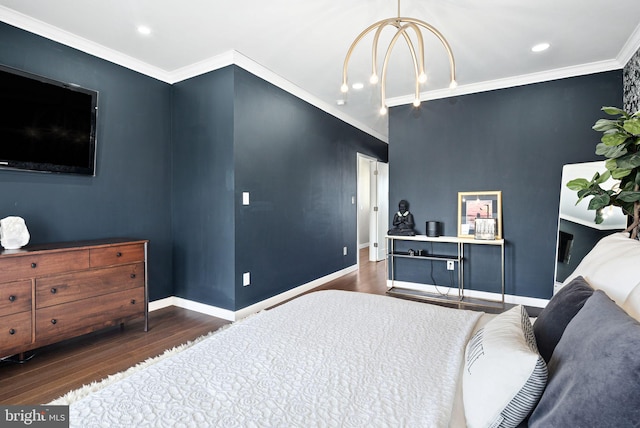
{"points": [[53, 292]]}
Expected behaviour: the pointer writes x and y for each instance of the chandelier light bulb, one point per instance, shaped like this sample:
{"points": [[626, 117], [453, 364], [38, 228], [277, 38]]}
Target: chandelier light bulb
{"points": [[344, 88], [383, 110], [422, 78], [416, 102], [453, 84], [373, 79]]}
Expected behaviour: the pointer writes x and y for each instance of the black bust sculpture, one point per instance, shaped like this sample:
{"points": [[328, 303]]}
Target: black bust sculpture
{"points": [[403, 222]]}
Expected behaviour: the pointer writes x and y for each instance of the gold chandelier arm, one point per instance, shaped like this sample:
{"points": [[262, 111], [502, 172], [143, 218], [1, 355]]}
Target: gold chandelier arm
{"points": [[435, 32], [383, 86], [418, 63], [374, 47], [345, 66]]}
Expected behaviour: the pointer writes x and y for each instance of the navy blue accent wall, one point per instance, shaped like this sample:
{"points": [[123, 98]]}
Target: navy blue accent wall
{"points": [[129, 196], [515, 140], [203, 189], [234, 133], [299, 165]]}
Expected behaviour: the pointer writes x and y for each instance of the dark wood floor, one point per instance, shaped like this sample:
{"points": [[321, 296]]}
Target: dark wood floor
{"points": [[56, 369]]}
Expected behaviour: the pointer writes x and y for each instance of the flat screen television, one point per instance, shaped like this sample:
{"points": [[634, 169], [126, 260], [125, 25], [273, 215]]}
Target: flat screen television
{"points": [[46, 125]]}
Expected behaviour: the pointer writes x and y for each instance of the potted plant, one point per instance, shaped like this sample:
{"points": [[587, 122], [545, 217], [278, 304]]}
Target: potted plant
{"points": [[619, 144]]}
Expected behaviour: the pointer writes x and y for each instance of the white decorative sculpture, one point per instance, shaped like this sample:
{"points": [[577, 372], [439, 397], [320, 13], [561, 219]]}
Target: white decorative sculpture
{"points": [[13, 233]]}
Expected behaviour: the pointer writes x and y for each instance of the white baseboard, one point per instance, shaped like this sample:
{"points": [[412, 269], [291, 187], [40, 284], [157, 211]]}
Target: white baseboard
{"points": [[202, 308], [508, 298], [363, 246], [230, 315]]}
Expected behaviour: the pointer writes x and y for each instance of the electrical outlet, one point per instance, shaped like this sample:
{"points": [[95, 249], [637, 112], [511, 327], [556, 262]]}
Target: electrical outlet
{"points": [[450, 265], [246, 279], [344, 251]]}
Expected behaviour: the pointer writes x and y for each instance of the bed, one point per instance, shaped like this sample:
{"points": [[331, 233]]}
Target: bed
{"points": [[346, 359]]}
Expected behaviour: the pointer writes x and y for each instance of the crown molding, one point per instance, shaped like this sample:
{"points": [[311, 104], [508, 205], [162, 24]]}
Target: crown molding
{"points": [[510, 82], [630, 47]]}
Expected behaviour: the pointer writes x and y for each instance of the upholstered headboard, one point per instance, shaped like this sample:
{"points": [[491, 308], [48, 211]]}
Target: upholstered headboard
{"points": [[611, 266]]}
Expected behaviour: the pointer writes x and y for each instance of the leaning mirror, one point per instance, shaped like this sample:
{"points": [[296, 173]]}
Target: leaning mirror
{"points": [[577, 230]]}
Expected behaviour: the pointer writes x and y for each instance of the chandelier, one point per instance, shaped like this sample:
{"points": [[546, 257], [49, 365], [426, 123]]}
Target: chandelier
{"points": [[405, 27]]}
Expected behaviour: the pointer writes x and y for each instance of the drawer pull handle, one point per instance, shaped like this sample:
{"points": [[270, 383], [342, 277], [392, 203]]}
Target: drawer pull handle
{"points": [[34, 265], [133, 275], [12, 331], [133, 301], [54, 290], [54, 321], [118, 254], [12, 298]]}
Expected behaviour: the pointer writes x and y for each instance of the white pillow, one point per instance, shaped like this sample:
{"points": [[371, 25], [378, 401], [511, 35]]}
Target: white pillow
{"points": [[504, 375], [609, 266], [632, 304]]}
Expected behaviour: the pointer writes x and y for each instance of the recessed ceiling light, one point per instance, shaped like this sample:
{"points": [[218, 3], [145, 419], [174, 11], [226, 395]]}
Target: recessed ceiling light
{"points": [[540, 47], [357, 85], [142, 29]]}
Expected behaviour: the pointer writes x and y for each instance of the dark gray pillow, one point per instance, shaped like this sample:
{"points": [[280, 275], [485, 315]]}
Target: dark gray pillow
{"points": [[561, 309], [594, 374]]}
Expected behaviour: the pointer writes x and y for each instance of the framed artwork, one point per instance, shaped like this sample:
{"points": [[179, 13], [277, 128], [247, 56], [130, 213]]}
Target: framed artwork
{"points": [[479, 205]]}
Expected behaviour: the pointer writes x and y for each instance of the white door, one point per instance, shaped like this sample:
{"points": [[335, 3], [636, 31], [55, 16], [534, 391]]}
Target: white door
{"points": [[379, 210]]}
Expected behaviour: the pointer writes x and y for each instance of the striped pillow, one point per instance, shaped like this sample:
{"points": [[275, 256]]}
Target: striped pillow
{"points": [[504, 375]]}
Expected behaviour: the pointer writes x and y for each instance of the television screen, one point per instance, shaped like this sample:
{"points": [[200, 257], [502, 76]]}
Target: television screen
{"points": [[46, 125]]}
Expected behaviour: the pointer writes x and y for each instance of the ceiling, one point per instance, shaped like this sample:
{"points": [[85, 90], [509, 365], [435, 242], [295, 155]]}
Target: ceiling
{"points": [[301, 45]]}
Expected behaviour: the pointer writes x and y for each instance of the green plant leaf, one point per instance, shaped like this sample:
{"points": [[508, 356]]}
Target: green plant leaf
{"points": [[599, 201], [614, 138], [628, 185], [578, 184], [586, 192], [620, 173], [611, 152], [629, 161], [612, 111], [632, 126], [599, 218], [605, 125], [602, 177], [611, 164], [629, 196]]}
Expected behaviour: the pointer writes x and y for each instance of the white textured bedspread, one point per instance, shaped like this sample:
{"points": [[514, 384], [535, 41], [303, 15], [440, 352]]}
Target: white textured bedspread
{"points": [[326, 359]]}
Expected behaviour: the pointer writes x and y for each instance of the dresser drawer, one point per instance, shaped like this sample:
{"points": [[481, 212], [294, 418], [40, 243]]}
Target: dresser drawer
{"points": [[54, 290], [15, 297], [117, 254], [32, 265], [85, 316], [15, 331]]}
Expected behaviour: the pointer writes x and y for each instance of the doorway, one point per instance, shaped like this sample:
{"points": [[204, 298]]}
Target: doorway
{"points": [[373, 207]]}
